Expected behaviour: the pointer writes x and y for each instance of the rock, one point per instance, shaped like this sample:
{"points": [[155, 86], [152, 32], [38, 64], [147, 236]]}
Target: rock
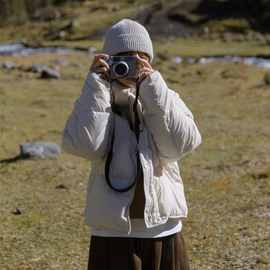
{"points": [[116, 8], [86, 49], [57, 15], [8, 127], [62, 34], [177, 59], [39, 149], [50, 73], [71, 25], [91, 50], [38, 67], [62, 62], [18, 211], [9, 65]]}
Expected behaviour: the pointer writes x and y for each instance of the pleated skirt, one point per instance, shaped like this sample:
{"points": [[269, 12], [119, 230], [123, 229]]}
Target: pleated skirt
{"points": [[123, 253]]}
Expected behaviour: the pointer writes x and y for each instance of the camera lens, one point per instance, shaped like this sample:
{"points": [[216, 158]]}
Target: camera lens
{"points": [[121, 69]]}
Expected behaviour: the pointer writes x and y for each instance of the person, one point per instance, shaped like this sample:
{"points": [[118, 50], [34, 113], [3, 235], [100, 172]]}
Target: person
{"points": [[133, 226]]}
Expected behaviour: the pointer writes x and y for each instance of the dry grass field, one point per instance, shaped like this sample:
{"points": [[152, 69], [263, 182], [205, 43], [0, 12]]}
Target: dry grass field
{"points": [[226, 179]]}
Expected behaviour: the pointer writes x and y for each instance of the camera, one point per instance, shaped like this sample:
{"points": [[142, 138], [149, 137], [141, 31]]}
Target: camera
{"points": [[122, 66]]}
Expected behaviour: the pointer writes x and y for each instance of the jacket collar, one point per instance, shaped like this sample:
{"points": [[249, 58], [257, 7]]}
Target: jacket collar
{"points": [[124, 98]]}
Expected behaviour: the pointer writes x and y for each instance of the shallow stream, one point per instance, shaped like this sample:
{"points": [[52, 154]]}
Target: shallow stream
{"points": [[17, 48]]}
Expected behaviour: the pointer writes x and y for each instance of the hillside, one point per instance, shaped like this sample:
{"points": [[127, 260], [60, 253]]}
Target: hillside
{"points": [[84, 20]]}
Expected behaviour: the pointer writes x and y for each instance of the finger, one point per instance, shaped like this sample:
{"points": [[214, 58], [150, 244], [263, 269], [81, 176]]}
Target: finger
{"points": [[99, 69], [144, 73], [104, 76], [98, 61], [101, 75], [104, 63], [107, 74], [143, 62], [140, 70], [99, 56], [103, 71], [140, 63], [142, 77], [100, 64], [144, 70]]}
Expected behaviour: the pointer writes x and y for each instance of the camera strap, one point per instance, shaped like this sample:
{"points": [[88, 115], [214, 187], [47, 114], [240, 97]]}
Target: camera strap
{"points": [[137, 134]]}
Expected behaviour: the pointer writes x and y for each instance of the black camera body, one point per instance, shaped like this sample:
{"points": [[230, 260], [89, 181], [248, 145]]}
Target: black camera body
{"points": [[122, 66]]}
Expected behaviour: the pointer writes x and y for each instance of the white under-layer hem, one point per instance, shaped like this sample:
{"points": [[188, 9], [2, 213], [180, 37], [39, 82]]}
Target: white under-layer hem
{"points": [[139, 230]]}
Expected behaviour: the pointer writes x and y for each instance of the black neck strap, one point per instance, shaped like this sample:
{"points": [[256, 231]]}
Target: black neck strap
{"points": [[137, 134]]}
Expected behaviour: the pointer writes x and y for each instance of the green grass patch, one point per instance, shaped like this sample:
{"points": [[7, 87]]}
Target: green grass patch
{"points": [[208, 48]]}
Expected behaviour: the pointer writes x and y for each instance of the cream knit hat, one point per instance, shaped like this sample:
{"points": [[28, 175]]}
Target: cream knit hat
{"points": [[128, 35]]}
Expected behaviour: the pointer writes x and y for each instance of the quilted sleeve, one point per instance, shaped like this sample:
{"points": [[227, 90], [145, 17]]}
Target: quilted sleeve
{"points": [[87, 131], [169, 120]]}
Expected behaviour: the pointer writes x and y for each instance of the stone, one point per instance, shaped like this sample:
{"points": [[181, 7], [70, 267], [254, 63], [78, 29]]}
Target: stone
{"points": [[18, 211], [62, 34], [39, 149], [91, 50], [9, 65], [50, 73], [62, 62], [56, 67], [116, 8], [38, 67]]}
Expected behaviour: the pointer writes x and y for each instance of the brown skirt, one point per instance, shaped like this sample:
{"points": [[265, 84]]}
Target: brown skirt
{"points": [[123, 253]]}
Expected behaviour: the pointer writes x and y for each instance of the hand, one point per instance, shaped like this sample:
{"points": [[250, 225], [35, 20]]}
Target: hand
{"points": [[144, 68], [101, 67]]}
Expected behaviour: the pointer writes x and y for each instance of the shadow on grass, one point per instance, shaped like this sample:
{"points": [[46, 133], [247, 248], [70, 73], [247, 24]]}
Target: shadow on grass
{"points": [[11, 160]]}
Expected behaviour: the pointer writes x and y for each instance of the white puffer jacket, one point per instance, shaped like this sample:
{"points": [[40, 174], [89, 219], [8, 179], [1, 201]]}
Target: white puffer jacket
{"points": [[167, 134]]}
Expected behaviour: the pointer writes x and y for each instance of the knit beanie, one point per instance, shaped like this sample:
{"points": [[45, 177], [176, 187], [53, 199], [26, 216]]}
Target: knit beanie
{"points": [[128, 35]]}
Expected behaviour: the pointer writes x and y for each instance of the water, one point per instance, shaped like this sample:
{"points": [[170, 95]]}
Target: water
{"points": [[17, 48], [252, 61]]}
